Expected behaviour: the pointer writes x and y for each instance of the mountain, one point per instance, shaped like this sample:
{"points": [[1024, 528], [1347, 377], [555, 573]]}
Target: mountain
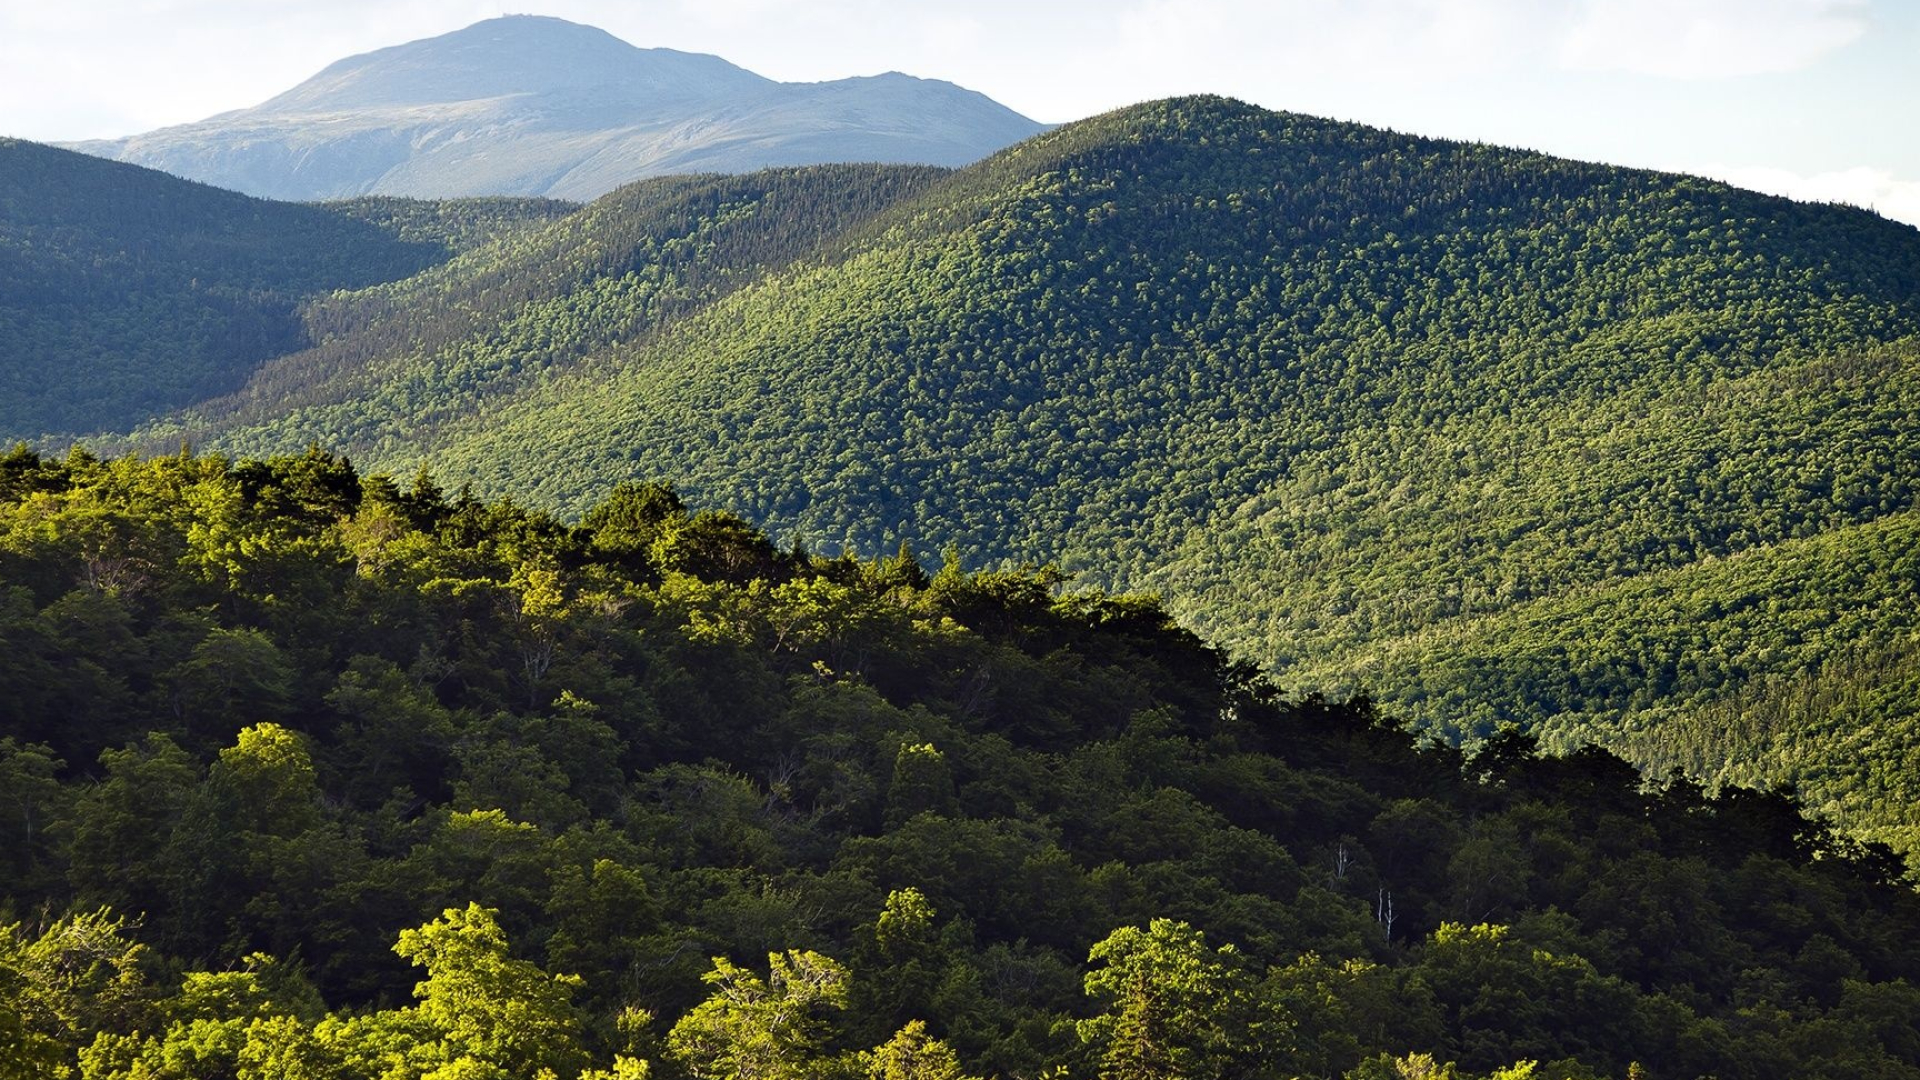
{"points": [[1495, 437], [1531, 452], [124, 291], [533, 105], [389, 363], [1378, 412]]}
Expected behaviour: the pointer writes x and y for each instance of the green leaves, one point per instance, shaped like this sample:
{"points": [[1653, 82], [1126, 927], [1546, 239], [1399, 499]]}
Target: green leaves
{"points": [[961, 784], [754, 1029], [914, 1055], [494, 1011], [1175, 1009], [80, 977]]}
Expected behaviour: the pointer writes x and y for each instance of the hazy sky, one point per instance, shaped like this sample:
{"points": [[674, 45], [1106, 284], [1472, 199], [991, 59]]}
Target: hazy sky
{"points": [[1815, 98]]}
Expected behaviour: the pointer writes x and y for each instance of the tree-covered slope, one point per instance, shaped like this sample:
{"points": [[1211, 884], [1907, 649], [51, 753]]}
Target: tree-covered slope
{"points": [[1088, 341], [1659, 576], [1327, 388], [305, 773], [389, 364], [125, 292]]}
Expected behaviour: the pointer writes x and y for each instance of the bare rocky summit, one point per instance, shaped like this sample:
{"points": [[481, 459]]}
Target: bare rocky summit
{"points": [[533, 105]]}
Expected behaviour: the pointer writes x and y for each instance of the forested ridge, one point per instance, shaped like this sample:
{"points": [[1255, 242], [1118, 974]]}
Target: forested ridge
{"points": [[1491, 436], [390, 364], [125, 292], [308, 773], [1370, 410]]}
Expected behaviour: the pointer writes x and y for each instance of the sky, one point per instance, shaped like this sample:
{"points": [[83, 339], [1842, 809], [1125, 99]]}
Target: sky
{"points": [[1817, 99]]}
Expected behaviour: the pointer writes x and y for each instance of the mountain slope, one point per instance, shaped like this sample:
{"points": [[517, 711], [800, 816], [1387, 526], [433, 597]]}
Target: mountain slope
{"points": [[1170, 308], [532, 105], [1335, 391], [260, 719], [124, 291], [389, 364]]}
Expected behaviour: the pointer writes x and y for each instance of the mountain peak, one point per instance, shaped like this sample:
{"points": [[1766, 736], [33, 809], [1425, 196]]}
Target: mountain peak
{"points": [[534, 105], [513, 55]]}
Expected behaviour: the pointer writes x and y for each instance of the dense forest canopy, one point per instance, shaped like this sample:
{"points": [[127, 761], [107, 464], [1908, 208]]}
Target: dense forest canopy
{"points": [[311, 773]]}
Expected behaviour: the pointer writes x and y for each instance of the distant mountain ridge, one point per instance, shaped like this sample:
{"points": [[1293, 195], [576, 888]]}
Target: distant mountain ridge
{"points": [[534, 105]]}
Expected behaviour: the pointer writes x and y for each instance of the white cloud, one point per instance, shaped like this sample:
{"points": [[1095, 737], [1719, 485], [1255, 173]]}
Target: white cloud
{"points": [[1708, 39], [1869, 188]]}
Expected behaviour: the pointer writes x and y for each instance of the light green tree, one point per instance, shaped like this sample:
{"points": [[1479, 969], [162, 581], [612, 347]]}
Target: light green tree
{"points": [[754, 1029], [26, 1052], [78, 978], [1176, 1010], [912, 1054], [487, 1006]]}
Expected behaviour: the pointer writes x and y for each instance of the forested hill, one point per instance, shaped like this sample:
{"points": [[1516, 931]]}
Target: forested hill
{"points": [[1377, 412], [125, 292], [308, 773], [389, 364], [1086, 342], [1345, 397]]}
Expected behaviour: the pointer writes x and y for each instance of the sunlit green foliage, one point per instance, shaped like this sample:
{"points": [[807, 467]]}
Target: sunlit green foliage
{"points": [[397, 784]]}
